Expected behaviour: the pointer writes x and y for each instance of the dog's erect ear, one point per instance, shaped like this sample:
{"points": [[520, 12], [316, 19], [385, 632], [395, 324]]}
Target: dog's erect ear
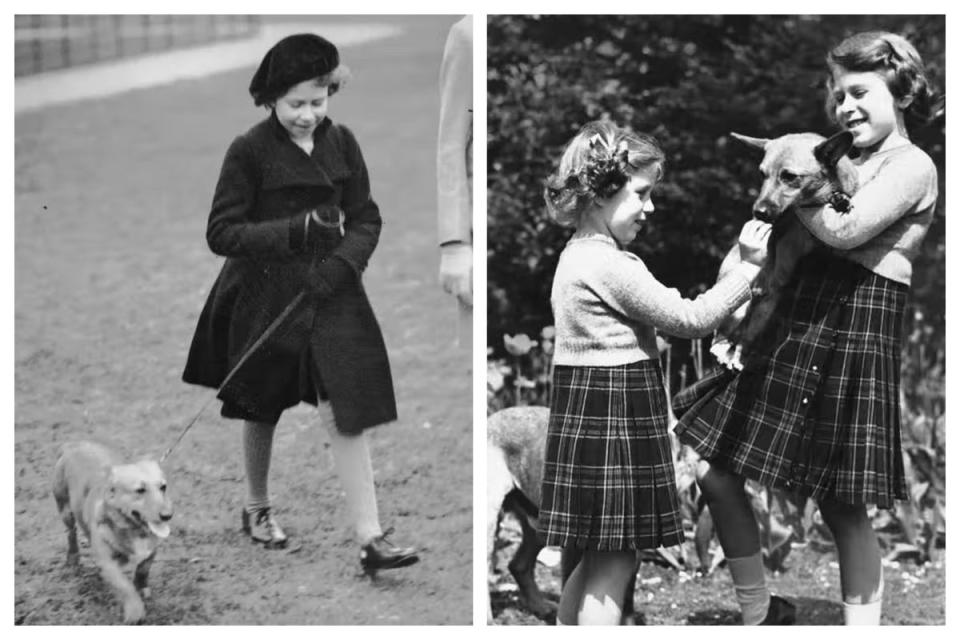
{"points": [[759, 143], [830, 151], [112, 481]]}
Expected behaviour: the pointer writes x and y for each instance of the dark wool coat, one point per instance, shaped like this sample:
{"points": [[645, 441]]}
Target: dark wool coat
{"points": [[266, 187]]}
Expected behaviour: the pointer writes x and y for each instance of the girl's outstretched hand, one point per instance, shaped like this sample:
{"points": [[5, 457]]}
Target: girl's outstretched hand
{"points": [[753, 242]]}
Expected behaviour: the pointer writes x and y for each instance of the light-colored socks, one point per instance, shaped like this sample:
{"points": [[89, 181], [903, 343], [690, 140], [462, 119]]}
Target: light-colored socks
{"points": [[864, 614], [351, 459], [599, 611], [257, 448], [750, 587]]}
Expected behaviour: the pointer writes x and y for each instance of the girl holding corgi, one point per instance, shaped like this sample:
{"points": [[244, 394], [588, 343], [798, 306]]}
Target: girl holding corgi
{"points": [[821, 416], [609, 486], [293, 215]]}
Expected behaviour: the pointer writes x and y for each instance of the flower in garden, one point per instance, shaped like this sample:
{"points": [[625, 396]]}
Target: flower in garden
{"points": [[518, 345], [494, 377], [547, 333]]}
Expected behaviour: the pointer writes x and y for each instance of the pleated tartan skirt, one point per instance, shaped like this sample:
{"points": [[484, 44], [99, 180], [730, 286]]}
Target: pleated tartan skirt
{"points": [[608, 481], [819, 412]]}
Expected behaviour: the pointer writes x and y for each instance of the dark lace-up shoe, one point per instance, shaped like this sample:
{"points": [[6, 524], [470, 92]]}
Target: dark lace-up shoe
{"points": [[263, 529], [780, 612], [379, 553]]}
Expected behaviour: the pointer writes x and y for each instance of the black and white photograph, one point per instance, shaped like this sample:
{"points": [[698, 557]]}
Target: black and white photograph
{"points": [[716, 340], [243, 319]]}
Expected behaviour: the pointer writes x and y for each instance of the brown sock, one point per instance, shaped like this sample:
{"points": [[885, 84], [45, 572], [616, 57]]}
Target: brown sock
{"points": [[257, 448]]}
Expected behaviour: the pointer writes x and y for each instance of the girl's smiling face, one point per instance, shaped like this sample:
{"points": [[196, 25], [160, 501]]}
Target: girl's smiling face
{"points": [[623, 215], [865, 106], [302, 108]]}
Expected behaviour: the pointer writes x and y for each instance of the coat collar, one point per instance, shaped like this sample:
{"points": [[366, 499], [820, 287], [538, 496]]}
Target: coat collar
{"points": [[287, 164]]}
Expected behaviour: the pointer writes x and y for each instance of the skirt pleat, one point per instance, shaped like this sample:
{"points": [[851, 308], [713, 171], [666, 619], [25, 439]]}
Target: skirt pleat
{"points": [[609, 480]]}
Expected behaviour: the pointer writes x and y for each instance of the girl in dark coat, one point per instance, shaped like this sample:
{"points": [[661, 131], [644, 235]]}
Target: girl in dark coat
{"points": [[287, 319]]}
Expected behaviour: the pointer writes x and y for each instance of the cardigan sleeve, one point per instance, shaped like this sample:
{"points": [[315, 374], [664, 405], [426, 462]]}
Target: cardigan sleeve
{"points": [[230, 232], [628, 286], [904, 183]]}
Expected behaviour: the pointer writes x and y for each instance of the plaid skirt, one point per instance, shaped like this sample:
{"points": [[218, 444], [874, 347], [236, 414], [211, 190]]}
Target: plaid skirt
{"points": [[608, 477], [819, 412]]}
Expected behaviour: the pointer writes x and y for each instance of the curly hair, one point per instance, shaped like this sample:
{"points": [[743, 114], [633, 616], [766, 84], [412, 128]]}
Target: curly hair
{"points": [[595, 165], [894, 57]]}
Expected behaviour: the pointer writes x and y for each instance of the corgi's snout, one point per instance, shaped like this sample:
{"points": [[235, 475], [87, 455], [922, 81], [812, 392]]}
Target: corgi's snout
{"points": [[763, 213]]}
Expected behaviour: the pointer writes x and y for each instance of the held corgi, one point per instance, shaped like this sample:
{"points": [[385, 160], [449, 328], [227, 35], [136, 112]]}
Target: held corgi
{"points": [[799, 170]]}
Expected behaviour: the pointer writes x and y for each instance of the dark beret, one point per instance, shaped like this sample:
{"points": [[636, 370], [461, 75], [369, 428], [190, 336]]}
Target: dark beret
{"points": [[296, 58]]}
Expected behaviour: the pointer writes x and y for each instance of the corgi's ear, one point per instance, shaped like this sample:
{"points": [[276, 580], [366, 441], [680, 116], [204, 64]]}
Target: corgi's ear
{"points": [[111, 476], [830, 151], [759, 143]]}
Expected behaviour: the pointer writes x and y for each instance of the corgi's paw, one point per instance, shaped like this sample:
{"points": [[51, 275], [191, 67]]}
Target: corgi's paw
{"points": [[133, 611]]}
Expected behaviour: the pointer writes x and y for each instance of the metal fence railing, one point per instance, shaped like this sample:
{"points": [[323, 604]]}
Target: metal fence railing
{"points": [[48, 42]]}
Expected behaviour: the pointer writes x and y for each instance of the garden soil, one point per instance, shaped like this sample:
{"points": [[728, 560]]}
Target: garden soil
{"points": [[913, 593]]}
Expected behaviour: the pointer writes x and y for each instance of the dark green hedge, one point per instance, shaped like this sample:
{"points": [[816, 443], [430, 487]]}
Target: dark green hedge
{"points": [[688, 80]]}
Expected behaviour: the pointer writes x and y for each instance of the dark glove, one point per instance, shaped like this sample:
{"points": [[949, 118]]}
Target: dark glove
{"points": [[331, 275], [318, 229]]}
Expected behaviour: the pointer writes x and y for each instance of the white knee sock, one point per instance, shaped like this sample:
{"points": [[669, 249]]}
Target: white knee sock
{"points": [[594, 611], [750, 586], [351, 458], [864, 614]]}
